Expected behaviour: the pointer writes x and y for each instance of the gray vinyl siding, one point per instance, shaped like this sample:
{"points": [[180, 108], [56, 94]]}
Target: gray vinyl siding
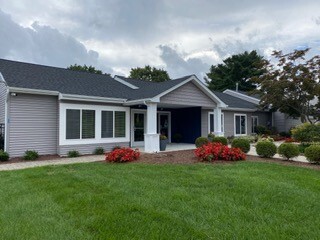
{"points": [[264, 118], [283, 123], [89, 148], [3, 92], [33, 124], [188, 94]]}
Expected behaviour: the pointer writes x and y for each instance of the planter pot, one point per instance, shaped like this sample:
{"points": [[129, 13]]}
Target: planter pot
{"points": [[163, 145]]}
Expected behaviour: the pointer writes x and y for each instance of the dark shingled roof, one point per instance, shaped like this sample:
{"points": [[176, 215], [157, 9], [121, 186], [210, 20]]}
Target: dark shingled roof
{"points": [[234, 102], [33, 76]]}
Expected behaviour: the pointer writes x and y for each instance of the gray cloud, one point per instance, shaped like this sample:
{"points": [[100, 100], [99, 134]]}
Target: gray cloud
{"points": [[41, 44]]}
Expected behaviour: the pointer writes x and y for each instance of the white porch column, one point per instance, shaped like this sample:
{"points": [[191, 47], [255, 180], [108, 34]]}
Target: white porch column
{"points": [[217, 121], [151, 137]]}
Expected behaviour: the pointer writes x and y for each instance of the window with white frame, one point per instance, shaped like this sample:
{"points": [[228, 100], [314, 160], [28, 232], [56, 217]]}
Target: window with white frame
{"points": [[255, 123], [113, 124], [211, 122], [106, 124], [80, 124], [240, 124]]}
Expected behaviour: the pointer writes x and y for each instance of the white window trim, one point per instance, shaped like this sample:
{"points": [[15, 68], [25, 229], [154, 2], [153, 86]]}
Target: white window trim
{"points": [[222, 122], [234, 124], [252, 117], [98, 108]]}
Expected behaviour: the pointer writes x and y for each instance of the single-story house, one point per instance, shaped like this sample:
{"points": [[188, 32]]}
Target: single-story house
{"points": [[54, 110]]}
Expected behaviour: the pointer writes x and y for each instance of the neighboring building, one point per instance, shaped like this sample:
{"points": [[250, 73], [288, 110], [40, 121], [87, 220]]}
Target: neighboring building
{"points": [[54, 110], [282, 122]]}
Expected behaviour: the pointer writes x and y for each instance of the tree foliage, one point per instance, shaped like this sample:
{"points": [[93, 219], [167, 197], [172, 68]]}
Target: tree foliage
{"points": [[291, 85], [235, 69], [84, 68], [148, 73]]}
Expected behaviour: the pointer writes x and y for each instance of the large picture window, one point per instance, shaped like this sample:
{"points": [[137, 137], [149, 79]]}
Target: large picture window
{"points": [[240, 122], [211, 122]]}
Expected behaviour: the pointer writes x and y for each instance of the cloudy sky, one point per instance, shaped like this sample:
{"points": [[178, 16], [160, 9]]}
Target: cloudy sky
{"points": [[181, 36]]}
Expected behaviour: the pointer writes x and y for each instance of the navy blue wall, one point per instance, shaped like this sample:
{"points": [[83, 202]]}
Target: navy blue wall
{"points": [[187, 122]]}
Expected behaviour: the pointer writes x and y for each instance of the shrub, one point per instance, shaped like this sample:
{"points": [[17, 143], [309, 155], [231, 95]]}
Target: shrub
{"points": [[4, 156], [268, 139], [288, 150], [285, 134], [217, 151], [73, 154], [266, 149], [122, 155], [163, 137], [312, 153], [222, 140], [260, 129], [116, 147], [98, 151], [177, 137], [201, 141], [306, 132], [242, 143], [251, 138], [30, 155], [210, 137]]}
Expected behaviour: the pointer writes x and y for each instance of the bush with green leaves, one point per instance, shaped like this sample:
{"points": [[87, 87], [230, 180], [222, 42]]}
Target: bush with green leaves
{"points": [[242, 143], [260, 129], [4, 156], [312, 153], [200, 141], [30, 155], [98, 151], [266, 149], [288, 150], [73, 154], [306, 132], [220, 139]]}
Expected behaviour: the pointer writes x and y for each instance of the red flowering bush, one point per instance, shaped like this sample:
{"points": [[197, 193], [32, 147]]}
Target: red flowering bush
{"points": [[289, 140], [216, 151], [122, 155]]}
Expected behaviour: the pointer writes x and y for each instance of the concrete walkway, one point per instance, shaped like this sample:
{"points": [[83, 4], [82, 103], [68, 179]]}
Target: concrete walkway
{"points": [[253, 152], [60, 161]]}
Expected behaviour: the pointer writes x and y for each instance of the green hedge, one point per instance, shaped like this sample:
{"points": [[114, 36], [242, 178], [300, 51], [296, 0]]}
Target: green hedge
{"points": [[222, 140], [288, 150], [201, 141], [266, 149], [312, 153], [306, 132], [30, 155], [242, 143]]}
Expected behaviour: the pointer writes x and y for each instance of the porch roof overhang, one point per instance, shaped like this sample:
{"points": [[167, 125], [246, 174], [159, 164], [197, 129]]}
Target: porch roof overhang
{"points": [[193, 79]]}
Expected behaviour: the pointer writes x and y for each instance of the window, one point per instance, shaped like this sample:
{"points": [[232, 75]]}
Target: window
{"points": [[88, 124], [240, 124], [107, 124], [255, 123], [73, 124], [119, 124], [77, 118], [211, 122]]}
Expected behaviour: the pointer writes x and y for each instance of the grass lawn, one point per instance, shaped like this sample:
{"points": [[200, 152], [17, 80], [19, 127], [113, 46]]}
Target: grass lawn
{"points": [[245, 200]]}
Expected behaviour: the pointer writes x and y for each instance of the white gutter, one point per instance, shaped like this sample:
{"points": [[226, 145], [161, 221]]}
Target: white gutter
{"points": [[33, 91], [75, 97], [139, 101]]}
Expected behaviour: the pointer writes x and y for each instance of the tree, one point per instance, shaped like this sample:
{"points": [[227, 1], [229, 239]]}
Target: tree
{"points": [[84, 68], [235, 69], [149, 74], [291, 85]]}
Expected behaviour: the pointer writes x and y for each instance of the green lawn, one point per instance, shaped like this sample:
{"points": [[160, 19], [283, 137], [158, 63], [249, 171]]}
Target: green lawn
{"points": [[138, 201]]}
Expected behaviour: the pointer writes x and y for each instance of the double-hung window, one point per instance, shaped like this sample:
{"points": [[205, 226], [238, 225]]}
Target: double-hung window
{"points": [[240, 124], [211, 122], [80, 124], [113, 124]]}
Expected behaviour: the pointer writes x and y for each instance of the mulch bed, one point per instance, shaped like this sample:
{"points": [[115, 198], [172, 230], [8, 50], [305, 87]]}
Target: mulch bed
{"points": [[182, 157]]}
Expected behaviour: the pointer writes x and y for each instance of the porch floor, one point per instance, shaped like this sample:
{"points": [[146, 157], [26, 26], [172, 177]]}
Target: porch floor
{"points": [[175, 147]]}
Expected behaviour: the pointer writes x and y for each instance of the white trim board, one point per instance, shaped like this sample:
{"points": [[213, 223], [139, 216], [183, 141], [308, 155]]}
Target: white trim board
{"points": [[62, 124]]}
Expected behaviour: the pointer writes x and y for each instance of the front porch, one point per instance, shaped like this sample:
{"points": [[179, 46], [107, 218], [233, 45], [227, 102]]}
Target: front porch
{"points": [[171, 147]]}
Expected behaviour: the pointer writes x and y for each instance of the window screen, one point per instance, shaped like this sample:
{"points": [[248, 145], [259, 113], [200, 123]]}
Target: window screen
{"points": [[106, 124], [119, 124], [88, 123], [73, 124]]}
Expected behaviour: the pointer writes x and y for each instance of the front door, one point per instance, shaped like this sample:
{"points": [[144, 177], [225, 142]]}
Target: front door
{"points": [[164, 125], [138, 128]]}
